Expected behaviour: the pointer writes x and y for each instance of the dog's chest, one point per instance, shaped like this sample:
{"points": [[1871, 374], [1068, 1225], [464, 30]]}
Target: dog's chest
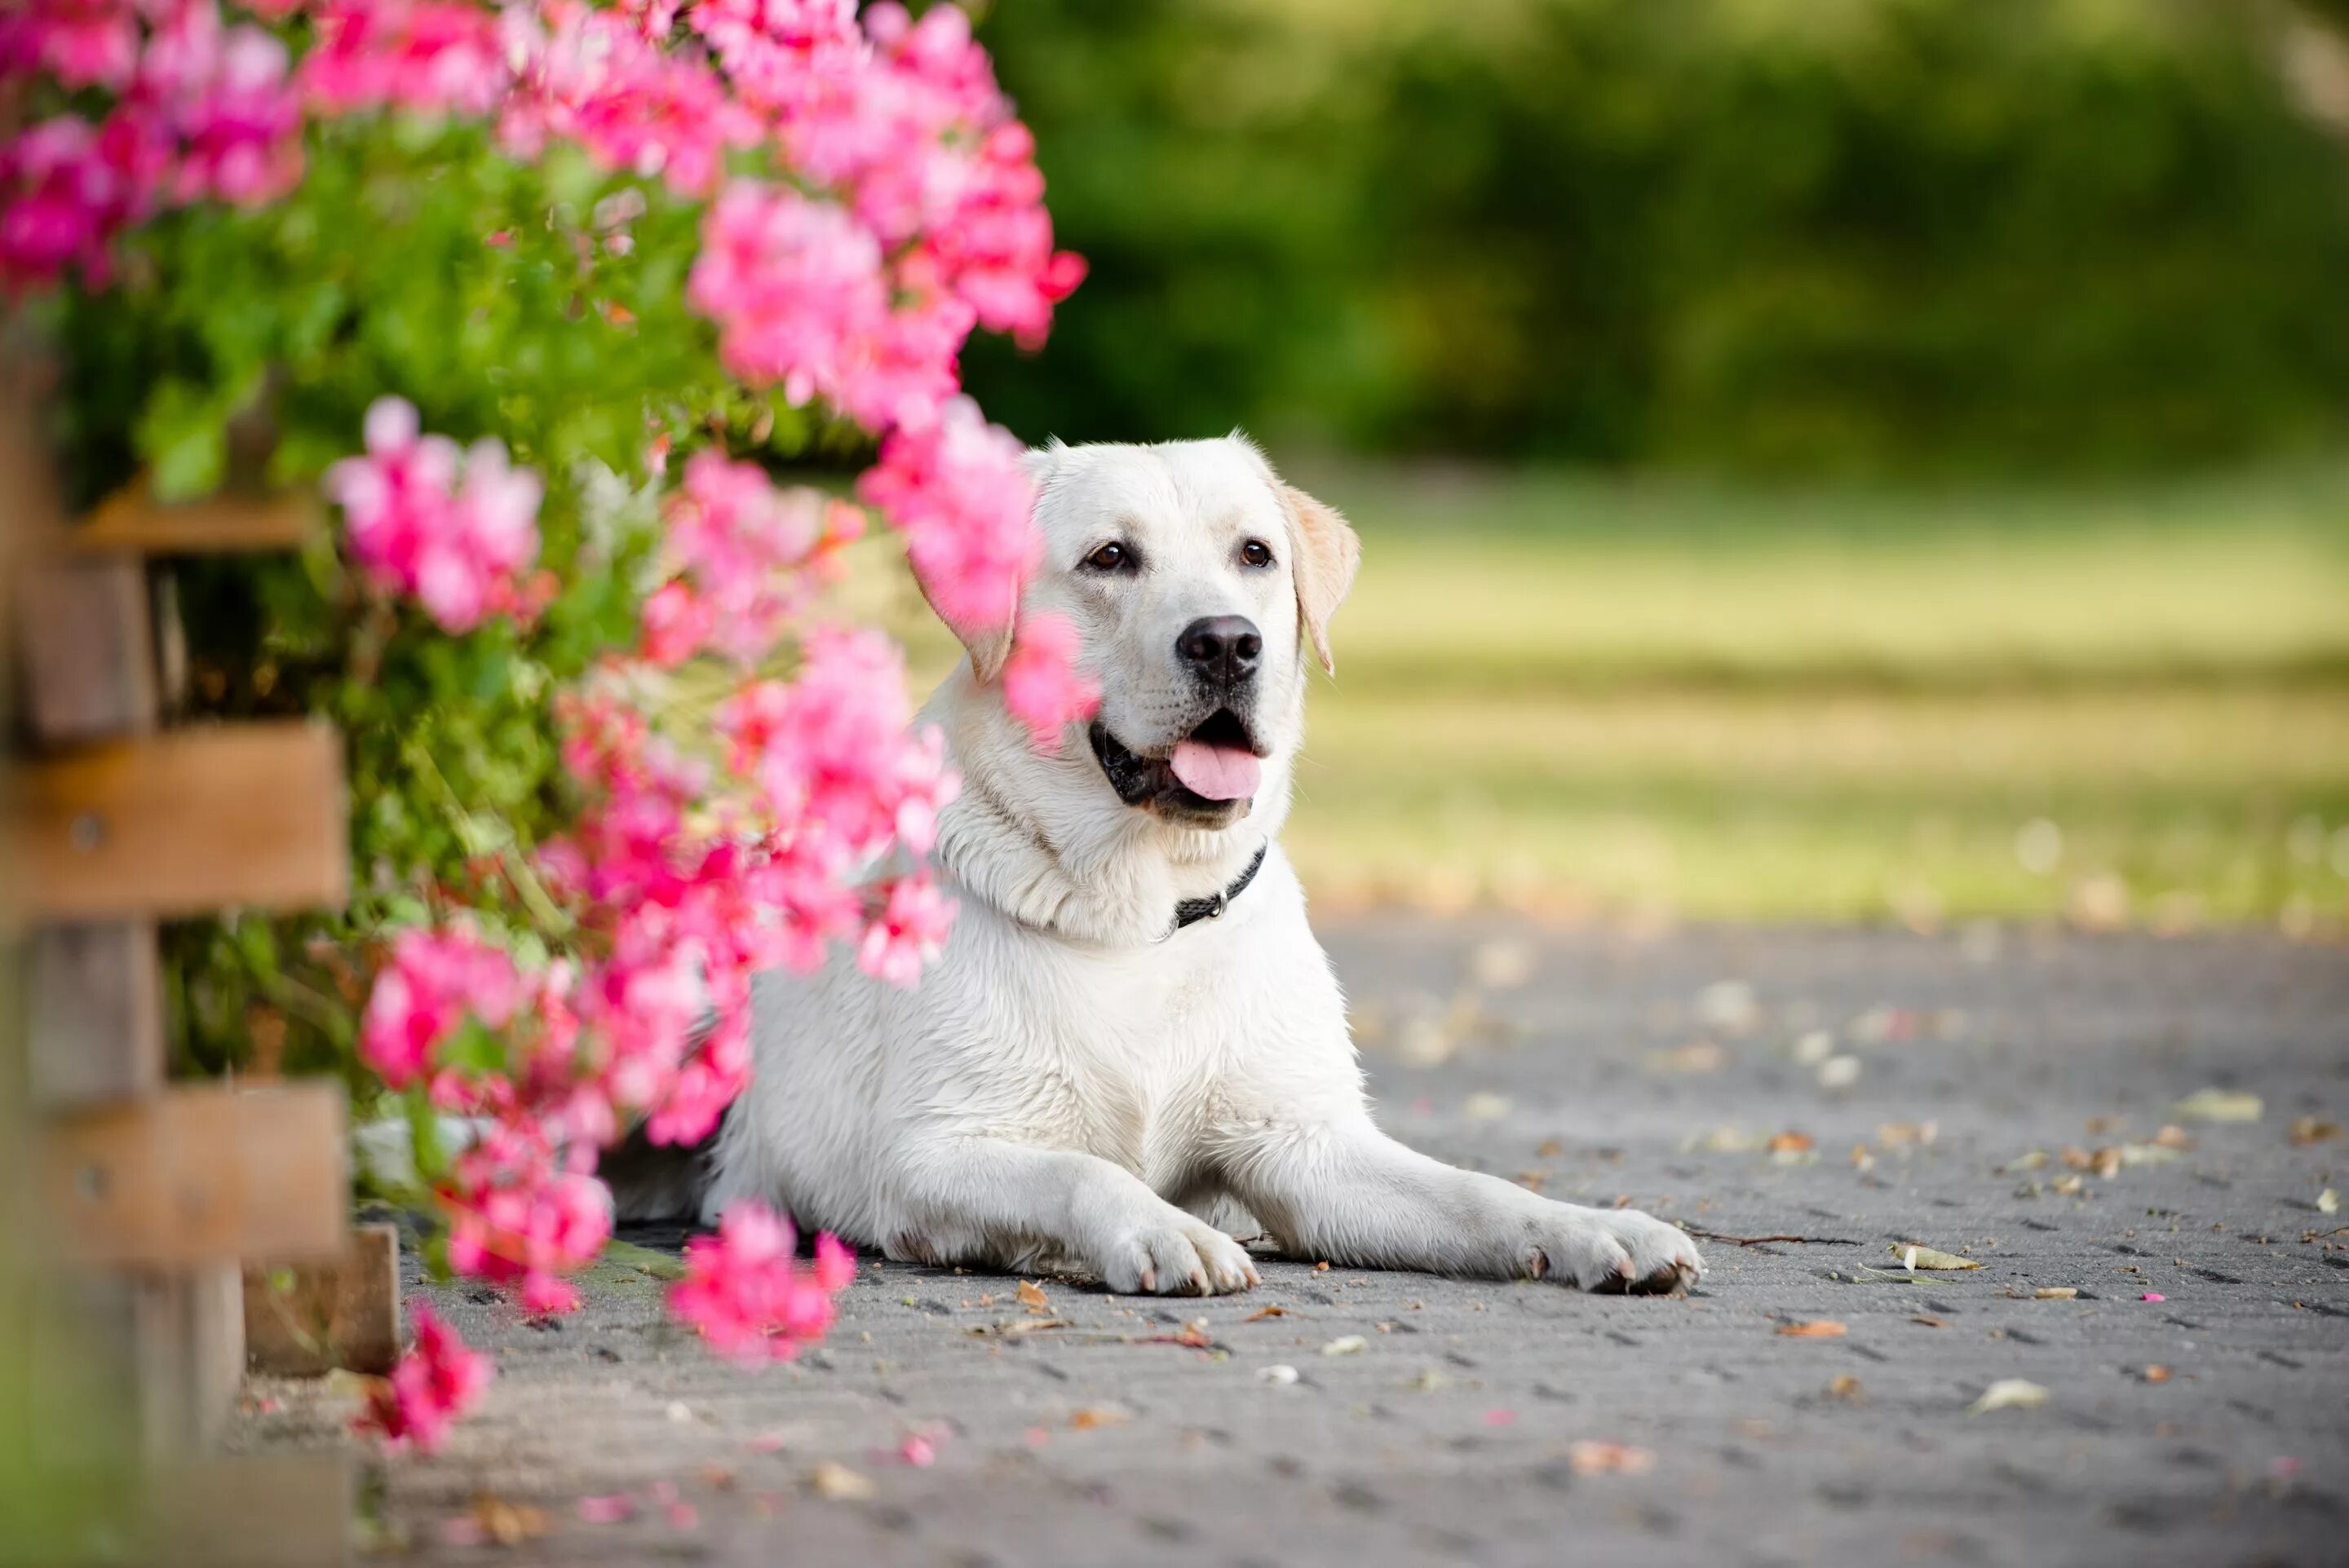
{"points": [[1141, 1052]]}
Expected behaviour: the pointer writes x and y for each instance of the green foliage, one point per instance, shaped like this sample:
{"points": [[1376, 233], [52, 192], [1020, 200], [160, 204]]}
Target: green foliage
{"points": [[241, 349], [1766, 235]]}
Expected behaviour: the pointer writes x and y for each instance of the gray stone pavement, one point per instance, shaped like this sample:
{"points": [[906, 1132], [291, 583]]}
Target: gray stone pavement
{"points": [[2211, 1426]]}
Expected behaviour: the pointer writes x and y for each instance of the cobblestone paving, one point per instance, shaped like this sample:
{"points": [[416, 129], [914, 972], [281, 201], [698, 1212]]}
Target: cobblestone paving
{"points": [[2196, 1386]]}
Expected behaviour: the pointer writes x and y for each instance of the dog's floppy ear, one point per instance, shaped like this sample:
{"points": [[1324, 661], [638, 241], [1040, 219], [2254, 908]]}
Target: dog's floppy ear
{"points": [[1324, 553], [988, 639]]}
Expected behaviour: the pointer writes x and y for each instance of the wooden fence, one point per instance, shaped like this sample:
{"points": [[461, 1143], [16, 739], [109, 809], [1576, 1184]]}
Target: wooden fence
{"points": [[159, 1194]]}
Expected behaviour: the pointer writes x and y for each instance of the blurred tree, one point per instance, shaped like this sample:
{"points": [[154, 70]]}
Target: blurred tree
{"points": [[1864, 235]]}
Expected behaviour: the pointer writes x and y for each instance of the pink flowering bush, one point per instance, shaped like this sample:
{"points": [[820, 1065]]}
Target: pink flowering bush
{"points": [[559, 308]]}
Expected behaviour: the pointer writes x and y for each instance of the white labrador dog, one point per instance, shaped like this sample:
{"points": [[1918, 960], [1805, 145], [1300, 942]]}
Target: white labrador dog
{"points": [[1132, 1030]]}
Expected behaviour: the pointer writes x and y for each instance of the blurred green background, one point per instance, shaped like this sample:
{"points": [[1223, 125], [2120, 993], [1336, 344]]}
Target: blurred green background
{"points": [[1818, 458]]}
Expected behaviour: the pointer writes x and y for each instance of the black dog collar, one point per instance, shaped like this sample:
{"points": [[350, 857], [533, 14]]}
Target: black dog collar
{"points": [[1192, 910]]}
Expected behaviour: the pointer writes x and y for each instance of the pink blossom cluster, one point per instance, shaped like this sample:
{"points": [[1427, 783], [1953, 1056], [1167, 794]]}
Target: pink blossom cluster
{"points": [[438, 1380], [1042, 686], [433, 984], [957, 490], [745, 556], [438, 56], [746, 1293], [602, 79], [520, 1211], [457, 546], [200, 110]]}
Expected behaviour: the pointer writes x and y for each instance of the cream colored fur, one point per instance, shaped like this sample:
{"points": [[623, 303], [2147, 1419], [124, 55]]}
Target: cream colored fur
{"points": [[1072, 1089]]}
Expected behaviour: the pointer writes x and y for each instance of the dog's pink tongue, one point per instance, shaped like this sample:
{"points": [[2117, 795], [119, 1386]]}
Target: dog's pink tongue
{"points": [[1217, 772]]}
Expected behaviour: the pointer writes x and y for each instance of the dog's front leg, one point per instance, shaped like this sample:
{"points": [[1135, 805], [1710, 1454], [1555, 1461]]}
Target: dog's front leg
{"points": [[984, 1201], [1341, 1190]]}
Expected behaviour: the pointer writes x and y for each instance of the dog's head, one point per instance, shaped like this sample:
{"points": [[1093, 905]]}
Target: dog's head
{"points": [[1199, 584]]}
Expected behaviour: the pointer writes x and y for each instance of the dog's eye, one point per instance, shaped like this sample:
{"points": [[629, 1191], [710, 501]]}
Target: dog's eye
{"points": [[1111, 557], [1257, 552]]}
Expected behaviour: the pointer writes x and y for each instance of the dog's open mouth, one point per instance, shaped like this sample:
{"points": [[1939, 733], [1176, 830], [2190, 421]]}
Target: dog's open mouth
{"points": [[1209, 769]]}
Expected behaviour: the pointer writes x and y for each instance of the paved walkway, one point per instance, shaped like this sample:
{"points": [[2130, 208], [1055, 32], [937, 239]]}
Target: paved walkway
{"points": [[2196, 1380]]}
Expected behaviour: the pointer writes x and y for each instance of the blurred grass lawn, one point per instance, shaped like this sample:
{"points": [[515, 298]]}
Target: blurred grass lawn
{"points": [[1578, 697]]}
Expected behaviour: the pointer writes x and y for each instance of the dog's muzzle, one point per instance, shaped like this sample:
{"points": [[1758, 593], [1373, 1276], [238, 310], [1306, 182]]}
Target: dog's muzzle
{"points": [[1208, 777]]}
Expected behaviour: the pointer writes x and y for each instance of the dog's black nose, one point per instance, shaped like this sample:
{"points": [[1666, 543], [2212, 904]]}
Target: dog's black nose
{"points": [[1222, 649]]}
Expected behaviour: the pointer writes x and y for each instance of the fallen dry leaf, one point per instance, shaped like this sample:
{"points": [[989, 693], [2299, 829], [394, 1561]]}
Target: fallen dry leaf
{"points": [[1816, 1328], [835, 1480], [1551, 1149], [2307, 1130], [2156, 1374], [1599, 1457], [1844, 1386], [2054, 1292], [2009, 1394], [2328, 1201], [1791, 1143], [2069, 1186], [1914, 1256], [2220, 1105], [1016, 1328], [507, 1523], [1264, 1312], [1095, 1415], [2172, 1136], [1930, 1321], [1032, 1297], [1345, 1345]]}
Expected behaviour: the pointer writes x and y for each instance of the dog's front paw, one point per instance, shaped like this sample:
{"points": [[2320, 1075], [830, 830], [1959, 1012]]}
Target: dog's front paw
{"points": [[1612, 1251], [1191, 1258]]}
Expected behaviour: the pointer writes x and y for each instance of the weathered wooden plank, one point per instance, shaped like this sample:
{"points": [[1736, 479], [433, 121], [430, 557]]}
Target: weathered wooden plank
{"points": [[96, 1014], [188, 1346], [303, 1320], [86, 644], [262, 1510], [132, 520], [185, 823], [200, 1175]]}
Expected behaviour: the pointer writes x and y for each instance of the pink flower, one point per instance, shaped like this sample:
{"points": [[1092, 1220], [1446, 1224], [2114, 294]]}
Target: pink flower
{"points": [[748, 555], [438, 1380], [432, 984], [909, 930], [747, 1294], [424, 54], [458, 547], [82, 43], [64, 189], [1042, 686], [956, 487], [237, 118], [600, 79], [515, 1215]]}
